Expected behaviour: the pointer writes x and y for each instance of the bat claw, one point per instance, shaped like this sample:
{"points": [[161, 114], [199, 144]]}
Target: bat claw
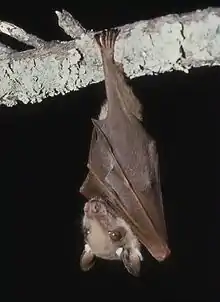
{"points": [[106, 39]]}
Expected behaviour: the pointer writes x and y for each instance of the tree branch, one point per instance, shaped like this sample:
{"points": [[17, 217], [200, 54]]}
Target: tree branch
{"points": [[173, 42]]}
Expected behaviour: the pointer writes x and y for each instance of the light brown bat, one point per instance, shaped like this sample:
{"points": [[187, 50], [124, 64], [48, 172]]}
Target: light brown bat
{"points": [[123, 189]]}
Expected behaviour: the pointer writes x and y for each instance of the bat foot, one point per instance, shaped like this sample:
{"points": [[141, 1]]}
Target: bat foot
{"points": [[106, 39]]}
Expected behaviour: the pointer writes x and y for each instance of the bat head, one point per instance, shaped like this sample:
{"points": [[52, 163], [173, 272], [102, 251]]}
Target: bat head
{"points": [[109, 237]]}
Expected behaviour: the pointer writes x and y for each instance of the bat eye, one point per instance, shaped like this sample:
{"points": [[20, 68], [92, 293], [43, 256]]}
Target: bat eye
{"points": [[115, 235]]}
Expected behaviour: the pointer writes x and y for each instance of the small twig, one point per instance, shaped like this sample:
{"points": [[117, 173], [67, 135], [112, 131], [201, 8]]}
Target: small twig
{"points": [[70, 25], [21, 35]]}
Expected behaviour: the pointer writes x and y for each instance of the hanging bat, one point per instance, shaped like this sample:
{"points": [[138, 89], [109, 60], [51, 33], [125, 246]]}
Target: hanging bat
{"points": [[124, 208]]}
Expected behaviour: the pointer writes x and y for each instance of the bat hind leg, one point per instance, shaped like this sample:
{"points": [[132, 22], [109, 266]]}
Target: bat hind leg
{"points": [[106, 40]]}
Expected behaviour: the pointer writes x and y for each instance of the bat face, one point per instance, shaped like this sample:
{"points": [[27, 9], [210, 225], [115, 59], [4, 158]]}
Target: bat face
{"points": [[109, 237]]}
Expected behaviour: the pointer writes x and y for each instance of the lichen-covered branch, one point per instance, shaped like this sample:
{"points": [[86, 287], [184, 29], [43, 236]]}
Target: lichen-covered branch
{"points": [[173, 42], [20, 35], [4, 49]]}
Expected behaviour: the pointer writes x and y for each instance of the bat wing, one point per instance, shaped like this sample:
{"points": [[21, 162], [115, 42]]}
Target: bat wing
{"points": [[91, 187], [143, 211], [153, 196], [99, 164]]}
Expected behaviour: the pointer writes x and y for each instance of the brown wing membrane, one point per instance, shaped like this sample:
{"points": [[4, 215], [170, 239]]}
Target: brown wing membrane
{"points": [[91, 187], [152, 196], [137, 208], [99, 163]]}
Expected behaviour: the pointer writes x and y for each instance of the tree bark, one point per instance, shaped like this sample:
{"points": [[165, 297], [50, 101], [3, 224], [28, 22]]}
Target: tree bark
{"points": [[172, 42]]}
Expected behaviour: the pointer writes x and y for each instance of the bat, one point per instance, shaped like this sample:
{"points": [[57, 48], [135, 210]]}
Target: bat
{"points": [[124, 208]]}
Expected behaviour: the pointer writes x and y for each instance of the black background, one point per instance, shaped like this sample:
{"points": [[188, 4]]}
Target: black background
{"points": [[44, 149]]}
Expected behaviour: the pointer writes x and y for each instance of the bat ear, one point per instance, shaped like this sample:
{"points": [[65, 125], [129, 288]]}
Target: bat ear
{"points": [[132, 261], [87, 259]]}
